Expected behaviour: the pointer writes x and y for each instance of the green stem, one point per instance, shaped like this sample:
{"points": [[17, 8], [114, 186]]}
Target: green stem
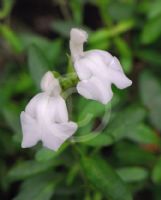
{"points": [[105, 33], [6, 8], [67, 81]]}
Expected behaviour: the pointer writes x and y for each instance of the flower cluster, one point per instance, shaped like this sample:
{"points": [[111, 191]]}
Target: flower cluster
{"points": [[46, 117]]}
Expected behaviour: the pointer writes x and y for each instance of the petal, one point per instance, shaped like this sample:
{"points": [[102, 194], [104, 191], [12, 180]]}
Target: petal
{"points": [[65, 130], [50, 84], [96, 63], [57, 110], [82, 68], [91, 64], [95, 89], [39, 108], [32, 105], [115, 64], [102, 57], [105, 56], [119, 79], [56, 134], [78, 35], [77, 38], [31, 132], [47, 109]]}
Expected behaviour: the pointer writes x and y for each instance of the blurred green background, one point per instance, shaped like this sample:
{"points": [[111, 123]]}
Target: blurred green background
{"points": [[124, 161]]}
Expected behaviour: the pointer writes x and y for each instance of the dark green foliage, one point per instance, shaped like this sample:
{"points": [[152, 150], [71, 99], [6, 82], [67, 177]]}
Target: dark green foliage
{"points": [[115, 154], [105, 179]]}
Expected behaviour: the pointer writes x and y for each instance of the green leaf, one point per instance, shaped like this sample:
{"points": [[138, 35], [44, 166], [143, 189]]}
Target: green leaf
{"points": [[11, 38], [6, 8], [26, 169], [14, 85], [44, 154], [53, 51], [92, 109], [72, 174], [100, 140], [150, 92], [119, 127], [12, 117], [39, 187], [77, 10], [63, 27], [155, 9], [102, 6], [101, 175], [50, 48], [151, 56], [104, 33], [37, 63], [151, 31], [132, 174], [125, 53], [131, 154], [144, 134], [156, 173], [7, 145], [91, 119], [124, 10]]}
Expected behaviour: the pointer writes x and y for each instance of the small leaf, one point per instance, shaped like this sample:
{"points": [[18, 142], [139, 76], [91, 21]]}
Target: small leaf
{"points": [[44, 154], [26, 169], [150, 92], [11, 38], [92, 109], [50, 48], [39, 187], [104, 33], [155, 9], [125, 53], [77, 10], [52, 52], [131, 154], [156, 173], [63, 27], [144, 134], [101, 139], [105, 179], [6, 8], [12, 117], [150, 56], [151, 31], [119, 127], [37, 63], [132, 174], [72, 174], [124, 10]]}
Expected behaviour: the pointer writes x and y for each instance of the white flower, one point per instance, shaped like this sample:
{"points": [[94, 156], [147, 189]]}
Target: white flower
{"points": [[46, 118], [96, 69]]}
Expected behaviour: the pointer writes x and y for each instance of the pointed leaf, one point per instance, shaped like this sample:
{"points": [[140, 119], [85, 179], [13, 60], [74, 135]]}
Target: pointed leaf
{"points": [[37, 63], [105, 179], [132, 174]]}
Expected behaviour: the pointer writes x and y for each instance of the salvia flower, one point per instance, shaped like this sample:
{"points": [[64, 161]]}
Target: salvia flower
{"points": [[46, 118], [96, 69]]}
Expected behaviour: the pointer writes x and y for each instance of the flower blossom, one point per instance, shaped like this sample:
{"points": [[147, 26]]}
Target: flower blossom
{"points": [[96, 69], [46, 118]]}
